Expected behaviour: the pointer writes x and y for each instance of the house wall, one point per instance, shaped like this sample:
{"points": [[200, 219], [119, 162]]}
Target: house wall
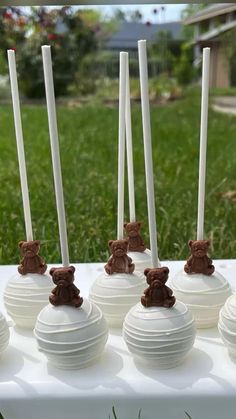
{"points": [[220, 68]]}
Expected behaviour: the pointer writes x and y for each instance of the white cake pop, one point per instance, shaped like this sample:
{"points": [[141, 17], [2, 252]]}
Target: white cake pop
{"points": [[227, 324], [26, 293], [72, 332], [203, 290], [119, 287], [159, 331], [4, 333]]}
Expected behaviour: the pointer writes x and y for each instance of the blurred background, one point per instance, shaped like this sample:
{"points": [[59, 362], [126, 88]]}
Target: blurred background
{"points": [[86, 42]]}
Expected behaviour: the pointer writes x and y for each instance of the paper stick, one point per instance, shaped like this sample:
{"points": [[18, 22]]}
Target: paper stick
{"points": [[121, 146], [129, 149], [52, 122], [142, 53], [203, 143], [20, 144]]}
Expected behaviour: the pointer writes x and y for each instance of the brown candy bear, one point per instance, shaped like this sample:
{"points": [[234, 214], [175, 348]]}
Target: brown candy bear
{"points": [[157, 294], [136, 243], [65, 292], [119, 262], [31, 262], [199, 262]]}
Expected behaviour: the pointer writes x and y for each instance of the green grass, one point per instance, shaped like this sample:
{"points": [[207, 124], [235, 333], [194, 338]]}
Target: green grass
{"points": [[88, 142]]}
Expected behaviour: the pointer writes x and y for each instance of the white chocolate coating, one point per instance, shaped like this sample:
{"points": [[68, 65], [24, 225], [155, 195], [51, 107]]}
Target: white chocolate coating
{"points": [[4, 333], [70, 337], [142, 260], [158, 335], [25, 296], [204, 295], [115, 294], [227, 324]]}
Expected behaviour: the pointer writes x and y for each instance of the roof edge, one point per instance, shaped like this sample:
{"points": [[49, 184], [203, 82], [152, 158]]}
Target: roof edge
{"points": [[209, 14]]}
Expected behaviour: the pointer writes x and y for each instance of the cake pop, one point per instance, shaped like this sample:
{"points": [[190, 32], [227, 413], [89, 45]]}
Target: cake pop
{"points": [[137, 250], [4, 334], [70, 331], [27, 292], [159, 330], [227, 324], [119, 287], [202, 289]]}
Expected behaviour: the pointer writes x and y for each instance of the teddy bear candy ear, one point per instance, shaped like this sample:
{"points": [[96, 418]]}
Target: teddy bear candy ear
{"points": [[157, 294]]}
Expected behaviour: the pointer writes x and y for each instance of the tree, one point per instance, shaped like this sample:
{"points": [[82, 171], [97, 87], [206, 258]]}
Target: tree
{"points": [[13, 28], [71, 38]]}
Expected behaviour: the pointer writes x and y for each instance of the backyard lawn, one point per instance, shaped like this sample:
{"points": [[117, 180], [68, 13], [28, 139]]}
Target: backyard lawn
{"points": [[88, 141]]}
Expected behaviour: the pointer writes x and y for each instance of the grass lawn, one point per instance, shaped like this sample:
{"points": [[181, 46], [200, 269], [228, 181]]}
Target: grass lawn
{"points": [[88, 141]]}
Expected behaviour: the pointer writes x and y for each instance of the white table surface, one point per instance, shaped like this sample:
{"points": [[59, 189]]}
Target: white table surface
{"points": [[204, 386]]}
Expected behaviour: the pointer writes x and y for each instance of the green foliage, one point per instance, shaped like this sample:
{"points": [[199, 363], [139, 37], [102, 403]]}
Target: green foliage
{"points": [[88, 143], [183, 69]]}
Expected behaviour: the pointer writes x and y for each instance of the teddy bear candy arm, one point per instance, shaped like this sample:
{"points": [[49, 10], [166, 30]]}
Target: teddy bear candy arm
{"points": [[31, 261]]}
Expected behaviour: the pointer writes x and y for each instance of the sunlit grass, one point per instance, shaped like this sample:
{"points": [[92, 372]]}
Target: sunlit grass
{"points": [[88, 142]]}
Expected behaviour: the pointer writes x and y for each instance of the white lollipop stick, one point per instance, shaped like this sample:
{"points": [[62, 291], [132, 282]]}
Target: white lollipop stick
{"points": [[203, 143], [129, 149], [121, 147], [142, 52], [20, 144], [52, 122]]}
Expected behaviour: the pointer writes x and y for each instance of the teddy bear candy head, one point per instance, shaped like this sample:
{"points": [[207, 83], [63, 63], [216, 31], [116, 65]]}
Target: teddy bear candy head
{"points": [[199, 262], [31, 262], [65, 292], [157, 294]]}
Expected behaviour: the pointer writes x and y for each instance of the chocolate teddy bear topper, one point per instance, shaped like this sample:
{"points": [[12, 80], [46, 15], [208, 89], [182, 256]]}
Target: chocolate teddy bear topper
{"points": [[157, 294], [119, 261], [199, 262], [65, 292], [136, 243], [31, 262]]}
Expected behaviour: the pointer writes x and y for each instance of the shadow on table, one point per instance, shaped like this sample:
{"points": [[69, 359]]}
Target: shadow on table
{"points": [[197, 366], [103, 373], [211, 336]]}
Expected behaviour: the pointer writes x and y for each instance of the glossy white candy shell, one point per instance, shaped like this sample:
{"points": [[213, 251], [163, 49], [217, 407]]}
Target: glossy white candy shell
{"points": [[25, 296], [227, 324], [115, 294], [142, 260], [204, 295], [4, 333], [70, 337], [158, 335]]}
